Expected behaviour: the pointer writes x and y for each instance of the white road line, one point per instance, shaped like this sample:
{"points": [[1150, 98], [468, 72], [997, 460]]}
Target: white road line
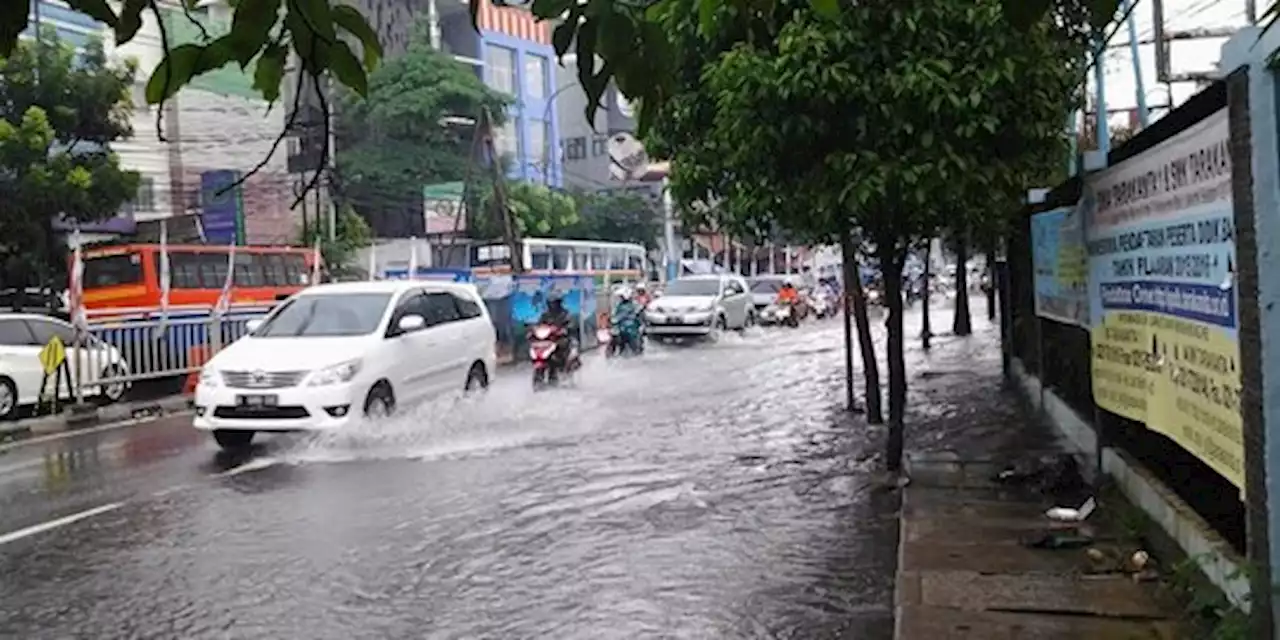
{"points": [[60, 522]]}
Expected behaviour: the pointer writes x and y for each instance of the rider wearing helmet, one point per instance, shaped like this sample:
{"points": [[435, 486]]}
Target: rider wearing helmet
{"points": [[626, 310], [788, 294], [642, 295], [557, 315]]}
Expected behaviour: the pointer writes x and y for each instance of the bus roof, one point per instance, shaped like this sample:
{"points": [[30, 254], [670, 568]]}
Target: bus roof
{"points": [[583, 243], [118, 249]]}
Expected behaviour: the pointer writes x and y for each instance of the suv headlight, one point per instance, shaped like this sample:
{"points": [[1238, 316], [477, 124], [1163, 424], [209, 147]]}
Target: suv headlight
{"points": [[338, 373], [209, 377]]}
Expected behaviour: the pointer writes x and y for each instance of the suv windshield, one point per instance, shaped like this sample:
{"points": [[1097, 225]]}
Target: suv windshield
{"points": [[693, 288], [326, 315]]}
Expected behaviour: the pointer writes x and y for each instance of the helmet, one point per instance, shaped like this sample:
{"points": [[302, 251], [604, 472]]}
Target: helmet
{"points": [[788, 283], [555, 299], [624, 293], [640, 286]]}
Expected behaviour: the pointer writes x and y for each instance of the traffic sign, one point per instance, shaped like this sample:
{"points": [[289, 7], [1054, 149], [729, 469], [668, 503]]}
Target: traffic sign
{"points": [[53, 355]]}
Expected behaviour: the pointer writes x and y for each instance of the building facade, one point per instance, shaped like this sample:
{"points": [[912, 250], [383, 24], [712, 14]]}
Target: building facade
{"points": [[515, 56]]}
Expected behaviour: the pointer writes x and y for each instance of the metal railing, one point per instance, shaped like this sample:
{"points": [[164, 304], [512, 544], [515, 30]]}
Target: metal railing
{"points": [[131, 345]]}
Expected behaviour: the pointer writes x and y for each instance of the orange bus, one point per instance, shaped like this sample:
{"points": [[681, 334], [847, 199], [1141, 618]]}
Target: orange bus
{"points": [[128, 276]]}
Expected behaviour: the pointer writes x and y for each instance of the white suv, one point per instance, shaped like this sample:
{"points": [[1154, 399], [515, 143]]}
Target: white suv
{"points": [[336, 353], [701, 306]]}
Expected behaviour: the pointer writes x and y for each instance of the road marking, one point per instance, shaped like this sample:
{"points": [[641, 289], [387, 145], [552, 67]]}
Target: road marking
{"points": [[71, 433], [60, 522]]}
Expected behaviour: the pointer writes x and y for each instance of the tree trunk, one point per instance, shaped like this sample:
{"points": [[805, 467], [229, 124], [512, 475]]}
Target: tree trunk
{"points": [[991, 284], [856, 298], [926, 331], [891, 267], [961, 325]]}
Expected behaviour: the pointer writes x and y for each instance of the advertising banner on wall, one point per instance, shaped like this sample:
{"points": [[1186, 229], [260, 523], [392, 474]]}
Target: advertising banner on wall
{"points": [[1163, 306], [1061, 266]]}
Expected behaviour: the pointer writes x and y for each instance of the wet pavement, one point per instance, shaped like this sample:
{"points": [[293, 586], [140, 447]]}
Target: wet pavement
{"points": [[711, 491]]}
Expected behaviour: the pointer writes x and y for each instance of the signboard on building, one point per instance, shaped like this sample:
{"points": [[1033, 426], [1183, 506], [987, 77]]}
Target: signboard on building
{"points": [[442, 209], [1061, 266], [221, 214], [1163, 301]]}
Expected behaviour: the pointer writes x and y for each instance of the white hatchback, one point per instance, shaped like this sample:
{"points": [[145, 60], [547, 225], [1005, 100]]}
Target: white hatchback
{"points": [[24, 335], [336, 353]]}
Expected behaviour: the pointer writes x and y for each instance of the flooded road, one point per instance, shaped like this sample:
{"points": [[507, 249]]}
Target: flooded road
{"points": [[715, 491]]}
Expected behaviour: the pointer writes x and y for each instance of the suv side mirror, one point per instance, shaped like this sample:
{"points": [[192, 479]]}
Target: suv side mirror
{"points": [[411, 322]]}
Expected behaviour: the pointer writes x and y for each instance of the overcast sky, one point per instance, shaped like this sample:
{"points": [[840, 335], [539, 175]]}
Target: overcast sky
{"points": [[1185, 56]]}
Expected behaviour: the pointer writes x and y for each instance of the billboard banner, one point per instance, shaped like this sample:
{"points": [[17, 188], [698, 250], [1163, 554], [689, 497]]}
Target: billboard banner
{"points": [[1163, 302], [1061, 266]]}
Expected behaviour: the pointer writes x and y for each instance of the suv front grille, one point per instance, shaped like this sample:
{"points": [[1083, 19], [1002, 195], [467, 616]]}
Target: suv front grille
{"points": [[262, 379]]}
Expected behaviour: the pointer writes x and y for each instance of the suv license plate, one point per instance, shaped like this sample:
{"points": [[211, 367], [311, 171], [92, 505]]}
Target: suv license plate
{"points": [[257, 401]]}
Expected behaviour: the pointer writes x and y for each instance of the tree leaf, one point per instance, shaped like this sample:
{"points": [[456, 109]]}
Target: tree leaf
{"points": [[130, 20], [270, 71], [346, 68], [251, 26], [550, 9], [14, 18], [562, 37], [827, 8], [353, 22], [707, 15], [98, 10], [174, 71], [1024, 13], [586, 51]]}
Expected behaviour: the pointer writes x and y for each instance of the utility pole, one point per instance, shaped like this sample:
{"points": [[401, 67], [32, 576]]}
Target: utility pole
{"points": [[510, 231]]}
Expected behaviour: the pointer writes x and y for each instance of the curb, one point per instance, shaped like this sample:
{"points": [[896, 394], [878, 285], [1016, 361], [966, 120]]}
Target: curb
{"points": [[86, 415]]}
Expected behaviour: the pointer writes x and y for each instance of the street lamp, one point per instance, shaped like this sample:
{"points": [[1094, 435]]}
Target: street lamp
{"points": [[549, 142]]}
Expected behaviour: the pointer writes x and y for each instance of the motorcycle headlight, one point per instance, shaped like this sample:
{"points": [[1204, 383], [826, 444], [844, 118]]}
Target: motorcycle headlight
{"points": [[209, 377], [338, 373]]}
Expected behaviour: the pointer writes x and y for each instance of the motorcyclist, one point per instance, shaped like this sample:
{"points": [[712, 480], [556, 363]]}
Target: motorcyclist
{"points": [[642, 297], [787, 294], [627, 312], [557, 315]]}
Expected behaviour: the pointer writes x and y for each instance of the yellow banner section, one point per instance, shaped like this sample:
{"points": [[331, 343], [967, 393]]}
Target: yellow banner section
{"points": [[1178, 377]]}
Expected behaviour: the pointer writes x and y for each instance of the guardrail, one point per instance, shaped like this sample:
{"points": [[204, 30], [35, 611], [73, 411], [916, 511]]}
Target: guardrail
{"points": [[131, 345]]}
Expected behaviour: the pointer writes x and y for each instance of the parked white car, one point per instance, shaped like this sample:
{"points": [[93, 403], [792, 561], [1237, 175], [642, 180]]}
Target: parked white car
{"points": [[701, 306], [24, 335], [337, 353]]}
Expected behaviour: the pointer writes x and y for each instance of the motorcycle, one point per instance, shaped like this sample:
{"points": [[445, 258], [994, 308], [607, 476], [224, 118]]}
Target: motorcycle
{"points": [[821, 306], [625, 338], [548, 365], [783, 313]]}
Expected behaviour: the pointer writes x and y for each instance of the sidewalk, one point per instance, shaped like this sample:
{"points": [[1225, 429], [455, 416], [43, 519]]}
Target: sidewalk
{"points": [[964, 567]]}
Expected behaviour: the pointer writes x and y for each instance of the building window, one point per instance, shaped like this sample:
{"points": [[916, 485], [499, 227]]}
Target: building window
{"points": [[599, 146], [539, 136], [501, 65], [535, 76], [507, 142], [144, 200], [575, 148]]}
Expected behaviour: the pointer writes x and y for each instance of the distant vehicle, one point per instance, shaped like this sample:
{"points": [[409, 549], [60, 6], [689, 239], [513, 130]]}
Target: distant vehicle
{"points": [[23, 335], [764, 288], [606, 262], [336, 353], [701, 306], [128, 276]]}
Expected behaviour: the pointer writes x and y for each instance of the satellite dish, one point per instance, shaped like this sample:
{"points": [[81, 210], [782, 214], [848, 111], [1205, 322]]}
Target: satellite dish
{"points": [[627, 158], [625, 106]]}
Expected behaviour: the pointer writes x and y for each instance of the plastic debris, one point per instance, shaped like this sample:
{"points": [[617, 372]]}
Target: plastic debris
{"points": [[1067, 514]]}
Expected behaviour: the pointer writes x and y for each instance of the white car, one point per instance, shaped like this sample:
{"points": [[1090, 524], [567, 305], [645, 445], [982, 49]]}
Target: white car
{"points": [[24, 335], [701, 306], [334, 354]]}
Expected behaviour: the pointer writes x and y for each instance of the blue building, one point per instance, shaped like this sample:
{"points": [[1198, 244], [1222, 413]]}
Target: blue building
{"points": [[512, 53]]}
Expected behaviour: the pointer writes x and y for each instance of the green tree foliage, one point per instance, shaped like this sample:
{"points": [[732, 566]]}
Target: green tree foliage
{"points": [[890, 119], [351, 234], [540, 212], [58, 116], [399, 139], [638, 54], [616, 217]]}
